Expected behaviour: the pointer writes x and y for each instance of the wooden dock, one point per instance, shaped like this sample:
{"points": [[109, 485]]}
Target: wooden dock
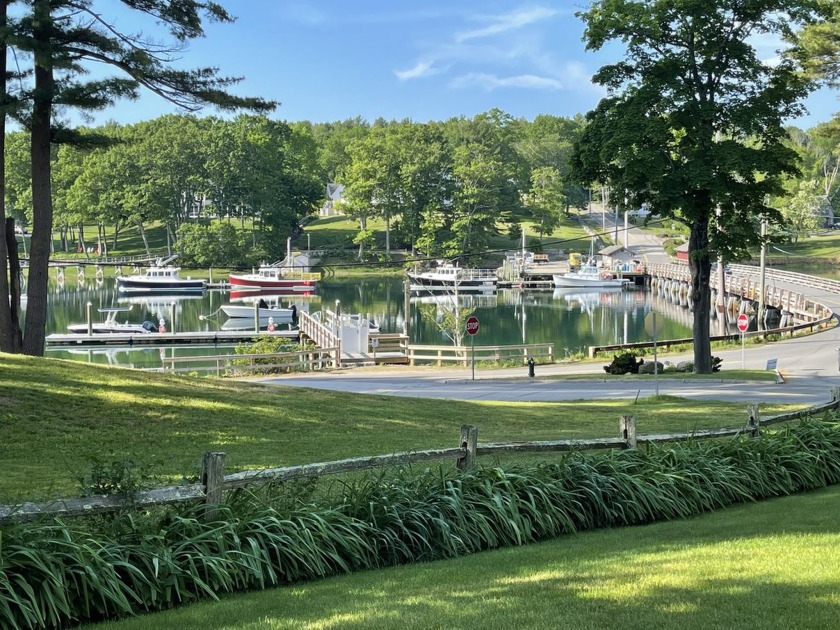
{"points": [[131, 340]]}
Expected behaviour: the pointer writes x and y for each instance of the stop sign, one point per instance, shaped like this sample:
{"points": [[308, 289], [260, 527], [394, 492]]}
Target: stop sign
{"points": [[472, 325], [743, 322]]}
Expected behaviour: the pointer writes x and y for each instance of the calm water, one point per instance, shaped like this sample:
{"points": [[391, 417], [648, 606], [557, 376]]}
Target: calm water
{"points": [[570, 319]]}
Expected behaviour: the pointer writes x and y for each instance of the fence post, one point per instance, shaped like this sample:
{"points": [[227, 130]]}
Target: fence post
{"points": [[753, 420], [212, 478], [627, 427], [469, 441], [835, 394]]}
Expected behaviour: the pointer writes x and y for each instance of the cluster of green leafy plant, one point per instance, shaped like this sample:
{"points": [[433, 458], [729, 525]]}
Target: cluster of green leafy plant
{"points": [[53, 574], [624, 363], [265, 344], [117, 476]]}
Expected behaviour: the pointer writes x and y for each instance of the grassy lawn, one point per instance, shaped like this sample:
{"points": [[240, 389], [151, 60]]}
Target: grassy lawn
{"points": [[57, 417], [823, 244], [770, 565]]}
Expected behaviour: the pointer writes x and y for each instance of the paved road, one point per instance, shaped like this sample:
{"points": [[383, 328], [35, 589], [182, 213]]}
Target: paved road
{"points": [[810, 367]]}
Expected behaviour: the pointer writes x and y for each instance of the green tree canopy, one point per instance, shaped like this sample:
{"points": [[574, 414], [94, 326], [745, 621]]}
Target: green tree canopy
{"points": [[693, 121]]}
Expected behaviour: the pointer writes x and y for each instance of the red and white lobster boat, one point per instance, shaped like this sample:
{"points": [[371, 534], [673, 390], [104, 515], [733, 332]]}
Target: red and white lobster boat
{"points": [[290, 274], [275, 277]]}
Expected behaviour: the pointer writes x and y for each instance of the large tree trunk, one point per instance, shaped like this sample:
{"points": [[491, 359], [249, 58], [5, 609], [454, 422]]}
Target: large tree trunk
{"points": [[143, 236], [39, 254], [700, 265], [9, 300], [15, 333]]}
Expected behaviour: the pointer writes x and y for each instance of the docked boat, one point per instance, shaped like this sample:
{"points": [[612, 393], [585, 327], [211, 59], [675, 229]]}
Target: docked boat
{"points": [[159, 279], [111, 325], [264, 312], [589, 276], [275, 277], [448, 277]]}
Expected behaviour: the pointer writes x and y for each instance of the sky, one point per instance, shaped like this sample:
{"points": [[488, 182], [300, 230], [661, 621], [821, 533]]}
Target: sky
{"points": [[330, 60]]}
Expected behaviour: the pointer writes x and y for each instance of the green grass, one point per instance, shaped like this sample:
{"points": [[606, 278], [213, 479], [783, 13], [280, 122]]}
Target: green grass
{"points": [[770, 565], [56, 417], [726, 375]]}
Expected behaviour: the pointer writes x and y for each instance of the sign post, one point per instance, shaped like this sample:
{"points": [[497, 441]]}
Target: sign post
{"points": [[472, 330], [652, 328], [743, 324]]}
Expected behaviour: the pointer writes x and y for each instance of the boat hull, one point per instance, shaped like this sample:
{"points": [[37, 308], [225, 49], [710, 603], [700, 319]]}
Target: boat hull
{"points": [[102, 328], [129, 285], [241, 311]]}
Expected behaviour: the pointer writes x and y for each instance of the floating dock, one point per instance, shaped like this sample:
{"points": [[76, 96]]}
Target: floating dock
{"points": [[133, 340]]}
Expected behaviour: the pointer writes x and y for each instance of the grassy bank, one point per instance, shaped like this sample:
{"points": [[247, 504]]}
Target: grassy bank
{"points": [[58, 417]]}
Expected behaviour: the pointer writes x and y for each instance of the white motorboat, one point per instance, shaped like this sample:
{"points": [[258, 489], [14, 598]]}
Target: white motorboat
{"points": [[111, 325], [159, 279], [448, 277], [589, 276]]}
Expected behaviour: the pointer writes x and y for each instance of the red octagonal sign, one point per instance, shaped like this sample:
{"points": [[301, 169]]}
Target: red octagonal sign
{"points": [[743, 322], [472, 325]]}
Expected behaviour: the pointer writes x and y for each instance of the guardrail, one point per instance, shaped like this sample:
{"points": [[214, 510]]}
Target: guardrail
{"points": [[832, 286], [463, 354], [666, 344], [214, 481]]}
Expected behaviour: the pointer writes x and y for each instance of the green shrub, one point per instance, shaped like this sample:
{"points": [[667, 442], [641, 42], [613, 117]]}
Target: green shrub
{"points": [[624, 363]]}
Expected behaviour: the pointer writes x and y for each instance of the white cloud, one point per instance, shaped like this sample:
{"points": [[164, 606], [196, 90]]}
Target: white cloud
{"points": [[420, 69], [507, 22], [303, 13], [492, 82], [504, 51]]}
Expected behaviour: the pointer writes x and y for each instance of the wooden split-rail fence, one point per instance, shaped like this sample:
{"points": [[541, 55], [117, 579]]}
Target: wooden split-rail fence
{"points": [[215, 481]]}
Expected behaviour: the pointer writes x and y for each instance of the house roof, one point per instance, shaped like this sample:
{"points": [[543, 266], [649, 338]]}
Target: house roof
{"points": [[683, 247], [614, 249]]}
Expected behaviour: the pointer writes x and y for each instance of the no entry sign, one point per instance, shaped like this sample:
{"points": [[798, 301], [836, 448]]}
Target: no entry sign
{"points": [[472, 325], [743, 322]]}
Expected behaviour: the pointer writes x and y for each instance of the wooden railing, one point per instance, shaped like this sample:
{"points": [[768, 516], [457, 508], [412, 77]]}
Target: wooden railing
{"points": [[463, 354], [238, 364], [214, 481], [320, 334]]}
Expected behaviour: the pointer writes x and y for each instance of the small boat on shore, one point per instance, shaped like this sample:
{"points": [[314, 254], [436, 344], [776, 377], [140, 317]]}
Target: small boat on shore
{"points": [[159, 279], [448, 277], [111, 325]]}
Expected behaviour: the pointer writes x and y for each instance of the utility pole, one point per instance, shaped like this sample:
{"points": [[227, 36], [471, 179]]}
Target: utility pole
{"points": [[763, 267]]}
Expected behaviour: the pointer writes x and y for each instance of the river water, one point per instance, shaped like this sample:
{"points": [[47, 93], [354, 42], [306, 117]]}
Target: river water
{"points": [[570, 319]]}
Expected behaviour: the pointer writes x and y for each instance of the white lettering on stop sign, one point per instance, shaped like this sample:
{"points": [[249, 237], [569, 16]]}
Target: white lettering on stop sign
{"points": [[472, 325]]}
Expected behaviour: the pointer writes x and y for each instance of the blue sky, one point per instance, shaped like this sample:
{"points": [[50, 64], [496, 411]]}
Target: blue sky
{"points": [[328, 60]]}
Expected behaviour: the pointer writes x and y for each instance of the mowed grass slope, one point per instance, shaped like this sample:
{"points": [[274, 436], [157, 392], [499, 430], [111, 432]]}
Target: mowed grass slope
{"points": [[57, 417], [770, 565]]}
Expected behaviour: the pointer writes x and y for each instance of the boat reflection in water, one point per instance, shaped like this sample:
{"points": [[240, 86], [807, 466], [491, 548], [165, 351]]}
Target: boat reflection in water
{"points": [[589, 300]]}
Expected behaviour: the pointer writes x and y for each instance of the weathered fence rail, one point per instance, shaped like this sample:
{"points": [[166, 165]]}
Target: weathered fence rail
{"points": [[235, 364], [463, 354], [214, 481]]}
